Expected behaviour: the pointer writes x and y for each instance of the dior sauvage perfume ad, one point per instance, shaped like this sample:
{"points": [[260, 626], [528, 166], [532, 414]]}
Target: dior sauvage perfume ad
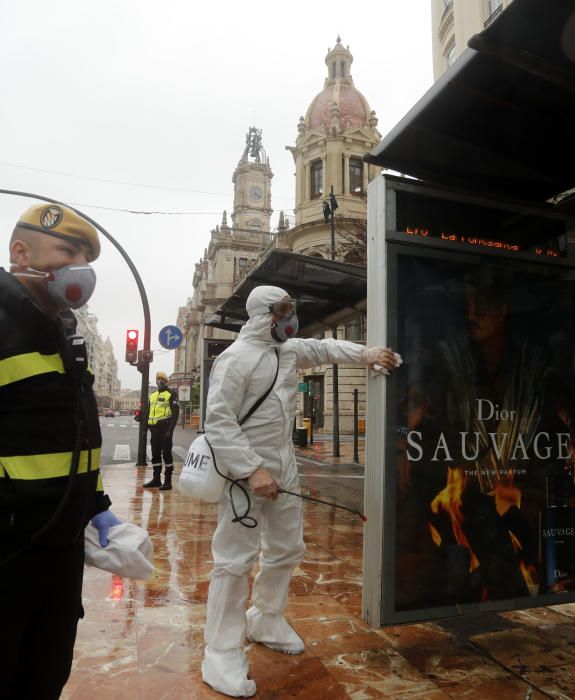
{"points": [[485, 429]]}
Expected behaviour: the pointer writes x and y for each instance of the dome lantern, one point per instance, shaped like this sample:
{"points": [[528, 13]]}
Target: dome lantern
{"points": [[338, 62]]}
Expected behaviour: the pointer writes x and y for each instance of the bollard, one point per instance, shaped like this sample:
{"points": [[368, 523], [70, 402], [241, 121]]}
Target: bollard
{"points": [[356, 426], [311, 428]]}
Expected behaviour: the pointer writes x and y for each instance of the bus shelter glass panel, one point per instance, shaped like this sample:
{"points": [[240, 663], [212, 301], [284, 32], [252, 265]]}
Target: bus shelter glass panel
{"points": [[485, 423]]}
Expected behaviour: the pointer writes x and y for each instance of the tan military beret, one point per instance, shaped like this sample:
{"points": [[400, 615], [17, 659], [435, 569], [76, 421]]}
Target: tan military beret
{"points": [[60, 221]]}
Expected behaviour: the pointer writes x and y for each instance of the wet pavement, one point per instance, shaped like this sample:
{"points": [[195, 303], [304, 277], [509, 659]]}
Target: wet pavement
{"points": [[144, 640]]}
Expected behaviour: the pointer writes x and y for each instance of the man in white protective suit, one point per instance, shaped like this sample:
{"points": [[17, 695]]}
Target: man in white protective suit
{"points": [[262, 452]]}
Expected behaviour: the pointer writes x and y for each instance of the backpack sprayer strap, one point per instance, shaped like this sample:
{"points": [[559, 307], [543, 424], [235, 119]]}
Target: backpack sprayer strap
{"points": [[259, 402], [245, 519]]}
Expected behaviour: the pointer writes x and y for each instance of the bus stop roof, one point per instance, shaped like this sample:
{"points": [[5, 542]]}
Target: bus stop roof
{"points": [[328, 293], [500, 120]]}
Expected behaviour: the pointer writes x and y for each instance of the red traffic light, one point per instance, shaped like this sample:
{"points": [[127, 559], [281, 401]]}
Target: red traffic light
{"points": [[131, 345]]}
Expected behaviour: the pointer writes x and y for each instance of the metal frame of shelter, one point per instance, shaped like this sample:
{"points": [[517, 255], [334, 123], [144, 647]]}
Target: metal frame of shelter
{"points": [[328, 293]]}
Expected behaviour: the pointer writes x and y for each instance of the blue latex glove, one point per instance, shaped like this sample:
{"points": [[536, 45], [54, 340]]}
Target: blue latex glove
{"points": [[103, 522]]}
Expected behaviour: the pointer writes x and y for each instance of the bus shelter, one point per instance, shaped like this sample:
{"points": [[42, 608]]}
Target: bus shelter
{"points": [[470, 474]]}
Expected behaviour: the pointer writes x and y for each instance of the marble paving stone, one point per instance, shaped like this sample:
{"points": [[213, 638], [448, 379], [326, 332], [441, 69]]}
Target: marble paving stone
{"points": [[315, 607], [558, 682], [560, 635], [85, 685], [351, 601], [448, 664], [283, 676], [328, 637], [495, 690], [535, 617], [567, 609], [521, 649], [157, 685], [105, 642], [171, 638], [413, 635], [380, 673]]}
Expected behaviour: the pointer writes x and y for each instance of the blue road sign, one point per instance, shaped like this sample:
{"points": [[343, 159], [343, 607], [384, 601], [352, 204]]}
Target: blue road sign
{"points": [[170, 337]]}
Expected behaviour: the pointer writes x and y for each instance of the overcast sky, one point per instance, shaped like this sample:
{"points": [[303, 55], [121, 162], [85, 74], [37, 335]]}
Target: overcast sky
{"points": [[160, 96]]}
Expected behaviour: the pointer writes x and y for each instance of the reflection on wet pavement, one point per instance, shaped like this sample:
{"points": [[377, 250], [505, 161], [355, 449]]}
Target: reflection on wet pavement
{"points": [[144, 640]]}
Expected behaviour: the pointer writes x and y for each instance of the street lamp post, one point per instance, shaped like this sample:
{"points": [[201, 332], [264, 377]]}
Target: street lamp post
{"points": [[329, 207], [186, 334]]}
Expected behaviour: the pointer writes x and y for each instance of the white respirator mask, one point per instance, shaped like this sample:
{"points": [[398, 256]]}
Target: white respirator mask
{"points": [[69, 287], [287, 325]]}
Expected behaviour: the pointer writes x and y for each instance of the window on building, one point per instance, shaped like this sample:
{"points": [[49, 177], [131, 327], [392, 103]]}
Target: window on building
{"points": [[494, 8], [242, 267], [342, 69], [333, 70], [450, 55], [316, 171], [356, 330], [355, 176]]}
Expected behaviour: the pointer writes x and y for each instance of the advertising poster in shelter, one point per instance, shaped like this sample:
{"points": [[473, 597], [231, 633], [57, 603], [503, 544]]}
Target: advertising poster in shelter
{"points": [[485, 431]]}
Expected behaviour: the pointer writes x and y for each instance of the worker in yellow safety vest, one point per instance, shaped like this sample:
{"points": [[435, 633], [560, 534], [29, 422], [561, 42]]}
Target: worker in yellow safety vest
{"points": [[163, 411]]}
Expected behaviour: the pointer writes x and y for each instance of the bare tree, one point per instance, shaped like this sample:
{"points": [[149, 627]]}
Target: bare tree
{"points": [[351, 241]]}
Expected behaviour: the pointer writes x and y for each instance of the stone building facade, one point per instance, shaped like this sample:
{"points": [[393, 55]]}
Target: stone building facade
{"points": [[453, 22], [127, 401], [101, 358]]}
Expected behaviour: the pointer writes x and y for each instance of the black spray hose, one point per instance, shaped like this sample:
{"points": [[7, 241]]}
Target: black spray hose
{"points": [[247, 520], [325, 503]]}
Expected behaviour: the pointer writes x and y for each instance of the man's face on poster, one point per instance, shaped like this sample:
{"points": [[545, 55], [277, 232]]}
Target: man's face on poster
{"points": [[486, 315]]}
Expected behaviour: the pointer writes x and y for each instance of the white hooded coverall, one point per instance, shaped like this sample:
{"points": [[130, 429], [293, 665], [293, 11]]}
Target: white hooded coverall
{"points": [[240, 376]]}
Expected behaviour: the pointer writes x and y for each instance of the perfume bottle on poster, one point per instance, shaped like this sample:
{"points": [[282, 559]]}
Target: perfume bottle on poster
{"points": [[557, 535]]}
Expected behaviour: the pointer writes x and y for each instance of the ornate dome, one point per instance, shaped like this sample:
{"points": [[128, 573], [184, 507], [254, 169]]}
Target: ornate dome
{"points": [[340, 104]]}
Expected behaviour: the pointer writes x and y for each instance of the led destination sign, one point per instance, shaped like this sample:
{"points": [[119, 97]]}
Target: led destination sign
{"points": [[474, 240], [419, 216]]}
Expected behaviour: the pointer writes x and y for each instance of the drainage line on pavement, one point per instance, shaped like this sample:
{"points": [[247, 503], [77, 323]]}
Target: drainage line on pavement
{"points": [[326, 503]]}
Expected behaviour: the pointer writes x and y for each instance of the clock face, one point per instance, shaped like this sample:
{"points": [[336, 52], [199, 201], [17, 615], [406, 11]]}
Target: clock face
{"points": [[255, 193]]}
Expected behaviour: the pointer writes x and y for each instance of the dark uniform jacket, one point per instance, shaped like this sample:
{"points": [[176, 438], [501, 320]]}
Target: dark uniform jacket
{"points": [[40, 404]]}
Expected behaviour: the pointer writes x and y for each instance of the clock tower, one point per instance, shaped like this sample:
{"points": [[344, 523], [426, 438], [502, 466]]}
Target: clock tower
{"points": [[252, 187]]}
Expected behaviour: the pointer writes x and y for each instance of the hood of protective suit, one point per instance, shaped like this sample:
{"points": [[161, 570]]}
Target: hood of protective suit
{"points": [[259, 324]]}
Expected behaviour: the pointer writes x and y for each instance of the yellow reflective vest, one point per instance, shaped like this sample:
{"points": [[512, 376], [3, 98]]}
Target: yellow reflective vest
{"points": [[160, 406]]}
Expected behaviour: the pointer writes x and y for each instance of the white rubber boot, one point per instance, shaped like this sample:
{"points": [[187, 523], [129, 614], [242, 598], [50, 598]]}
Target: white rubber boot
{"points": [[227, 672], [273, 631]]}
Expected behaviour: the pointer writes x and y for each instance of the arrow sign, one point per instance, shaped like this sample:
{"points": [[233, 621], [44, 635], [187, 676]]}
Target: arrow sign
{"points": [[170, 337]]}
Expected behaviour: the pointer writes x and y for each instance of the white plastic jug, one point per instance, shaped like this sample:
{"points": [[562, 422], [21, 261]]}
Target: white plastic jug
{"points": [[199, 478]]}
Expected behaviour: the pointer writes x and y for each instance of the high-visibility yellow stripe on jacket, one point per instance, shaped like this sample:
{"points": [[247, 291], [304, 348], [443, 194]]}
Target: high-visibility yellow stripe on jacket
{"points": [[46, 466], [30, 364], [160, 408]]}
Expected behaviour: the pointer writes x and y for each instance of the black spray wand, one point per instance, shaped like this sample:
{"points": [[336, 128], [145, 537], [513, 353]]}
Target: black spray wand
{"points": [[325, 503]]}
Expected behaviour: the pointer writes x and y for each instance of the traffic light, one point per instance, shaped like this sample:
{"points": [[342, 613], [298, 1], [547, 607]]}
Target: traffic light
{"points": [[131, 346]]}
